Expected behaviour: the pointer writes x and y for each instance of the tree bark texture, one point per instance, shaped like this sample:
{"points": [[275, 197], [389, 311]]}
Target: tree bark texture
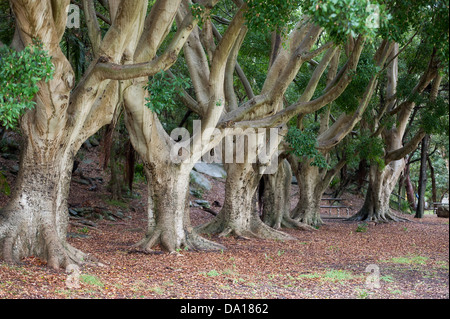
{"points": [[422, 177], [276, 201], [239, 215]]}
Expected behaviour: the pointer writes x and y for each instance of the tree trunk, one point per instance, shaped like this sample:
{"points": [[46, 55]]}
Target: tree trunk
{"points": [[409, 189], [239, 214], [277, 199], [115, 182], [422, 177], [307, 210], [433, 181], [34, 222], [168, 212], [276, 195], [381, 184]]}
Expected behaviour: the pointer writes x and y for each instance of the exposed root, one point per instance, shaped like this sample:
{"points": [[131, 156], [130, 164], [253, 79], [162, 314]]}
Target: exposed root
{"points": [[386, 217], [255, 229], [311, 221], [196, 242], [56, 252], [292, 223], [192, 241]]}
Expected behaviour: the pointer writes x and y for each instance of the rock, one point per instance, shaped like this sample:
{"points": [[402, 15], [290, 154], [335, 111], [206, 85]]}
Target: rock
{"points": [[75, 235], [210, 169], [81, 181], [203, 203], [294, 180], [9, 156], [200, 180], [87, 144], [14, 169], [94, 142], [442, 211], [73, 212], [109, 217]]}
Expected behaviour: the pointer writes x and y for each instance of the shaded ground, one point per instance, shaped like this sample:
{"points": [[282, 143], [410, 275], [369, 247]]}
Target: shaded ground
{"points": [[412, 259]]}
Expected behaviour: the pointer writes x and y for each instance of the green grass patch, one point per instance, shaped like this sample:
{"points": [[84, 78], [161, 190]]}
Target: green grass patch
{"points": [[92, 280], [338, 275], [408, 260], [213, 273], [362, 228], [116, 203]]}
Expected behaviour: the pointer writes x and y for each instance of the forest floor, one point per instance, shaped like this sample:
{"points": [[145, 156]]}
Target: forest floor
{"points": [[341, 260]]}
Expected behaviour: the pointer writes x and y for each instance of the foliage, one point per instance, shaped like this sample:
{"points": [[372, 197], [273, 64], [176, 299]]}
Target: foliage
{"points": [[163, 91], [4, 185], [265, 16], [198, 12], [343, 18], [435, 119], [429, 18], [362, 228], [349, 100], [367, 147], [303, 144], [20, 73]]}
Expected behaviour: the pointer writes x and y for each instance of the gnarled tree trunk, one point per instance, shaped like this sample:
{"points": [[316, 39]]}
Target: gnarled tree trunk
{"points": [[276, 196], [35, 220], [34, 223], [239, 214], [276, 210], [382, 181], [168, 211], [307, 210], [381, 184]]}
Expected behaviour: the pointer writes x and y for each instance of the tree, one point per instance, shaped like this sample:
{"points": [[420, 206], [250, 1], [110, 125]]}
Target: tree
{"points": [[167, 170], [313, 171], [238, 215], [383, 178], [34, 222]]}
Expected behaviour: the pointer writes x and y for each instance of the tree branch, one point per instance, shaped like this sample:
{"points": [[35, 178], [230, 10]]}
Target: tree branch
{"points": [[230, 94], [157, 25], [187, 99], [400, 153], [314, 105], [242, 77], [92, 24], [326, 180], [115, 71]]}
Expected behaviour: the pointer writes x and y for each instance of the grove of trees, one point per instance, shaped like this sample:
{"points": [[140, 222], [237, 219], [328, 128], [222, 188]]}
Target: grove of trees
{"points": [[355, 91]]}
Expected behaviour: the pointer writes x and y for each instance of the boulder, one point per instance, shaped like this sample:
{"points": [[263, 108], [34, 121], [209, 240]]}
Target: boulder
{"points": [[442, 211], [201, 181], [210, 169], [203, 203]]}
